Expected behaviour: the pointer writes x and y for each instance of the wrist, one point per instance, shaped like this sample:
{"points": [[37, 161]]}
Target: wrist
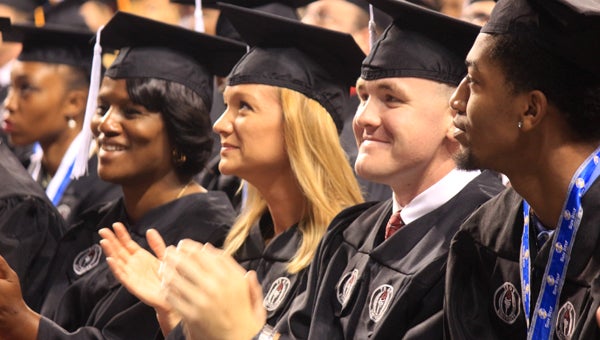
{"points": [[24, 325], [268, 332]]}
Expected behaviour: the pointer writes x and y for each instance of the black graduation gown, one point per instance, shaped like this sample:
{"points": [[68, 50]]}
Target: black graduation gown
{"points": [[86, 299], [484, 299], [270, 264], [30, 227], [360, 286], [86, 192]]}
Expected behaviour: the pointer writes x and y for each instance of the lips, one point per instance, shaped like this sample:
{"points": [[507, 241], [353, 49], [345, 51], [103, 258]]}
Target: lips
{"points": [[108, 146], [7, 126], [459, 129]]}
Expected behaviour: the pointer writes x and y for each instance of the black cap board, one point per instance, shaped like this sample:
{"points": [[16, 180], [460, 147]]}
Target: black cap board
{"points": [[284, 8], [569, 29], [152, 49], [319, 63], [420, 43], [247, 3], [52, 45]]}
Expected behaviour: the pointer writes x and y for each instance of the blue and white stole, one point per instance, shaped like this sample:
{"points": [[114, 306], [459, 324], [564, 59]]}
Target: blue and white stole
{"points": [[61, 179], [543, 319]]}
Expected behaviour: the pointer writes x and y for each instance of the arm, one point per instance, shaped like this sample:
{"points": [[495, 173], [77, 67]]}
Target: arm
{"points": [[215, 296]]}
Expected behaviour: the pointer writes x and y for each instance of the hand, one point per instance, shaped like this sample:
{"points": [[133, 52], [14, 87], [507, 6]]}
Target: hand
{"points": [[215, 296], [17, 321], [598, 316], [137, 269]]}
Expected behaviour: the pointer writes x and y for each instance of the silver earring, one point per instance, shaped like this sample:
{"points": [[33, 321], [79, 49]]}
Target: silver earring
{"points": [[71, 123], [520, 125]]}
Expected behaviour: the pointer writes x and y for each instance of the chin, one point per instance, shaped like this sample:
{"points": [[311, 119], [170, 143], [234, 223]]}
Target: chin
{"points": [[465, 160]]}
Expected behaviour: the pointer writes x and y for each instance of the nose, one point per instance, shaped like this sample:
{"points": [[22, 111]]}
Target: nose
{"points": [[10, 102], [458, 100], [223, 125], [108, 124], [367, 114]]}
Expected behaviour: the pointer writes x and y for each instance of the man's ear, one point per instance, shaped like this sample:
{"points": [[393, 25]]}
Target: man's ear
{"points": [[536, 110]]}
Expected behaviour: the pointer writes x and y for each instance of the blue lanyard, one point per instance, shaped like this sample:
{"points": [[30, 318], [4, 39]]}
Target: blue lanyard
{"points": [[542, 323], [63, 186]]}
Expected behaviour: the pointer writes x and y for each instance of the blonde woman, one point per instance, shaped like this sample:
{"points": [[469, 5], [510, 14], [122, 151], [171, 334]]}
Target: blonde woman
{"points": [[279, 134]]}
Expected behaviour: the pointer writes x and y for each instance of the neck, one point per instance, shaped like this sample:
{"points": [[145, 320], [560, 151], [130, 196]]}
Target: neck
{"points": [[543, 181], [406, 188], [140, 198], [55, 150], [285, 200]]}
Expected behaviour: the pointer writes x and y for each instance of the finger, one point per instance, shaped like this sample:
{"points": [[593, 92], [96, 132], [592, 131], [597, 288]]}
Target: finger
{"points": [[5, 271], [156, 243], [107, 248], [598, 316], [125, 238], [116, 267]]}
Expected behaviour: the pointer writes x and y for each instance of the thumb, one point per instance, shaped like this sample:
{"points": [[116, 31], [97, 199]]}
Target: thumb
{"points": [[256, 297], [5, 271], [156, 243]]}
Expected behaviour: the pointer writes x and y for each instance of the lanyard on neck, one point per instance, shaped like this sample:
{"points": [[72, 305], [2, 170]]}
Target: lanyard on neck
{"points": [[542, 323]]}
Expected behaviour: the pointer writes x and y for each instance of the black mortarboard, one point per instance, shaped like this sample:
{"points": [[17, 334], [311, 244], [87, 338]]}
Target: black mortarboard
{"points": [[151, 49], [4, 24], [319, 63], [420, 43], [52, 45], [284, 8], [569, 29], [23, 5], [65, 13]]}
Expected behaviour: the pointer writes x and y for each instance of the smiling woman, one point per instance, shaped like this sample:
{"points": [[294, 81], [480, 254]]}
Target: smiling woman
{"points": [[45, 106], [152, 125]]}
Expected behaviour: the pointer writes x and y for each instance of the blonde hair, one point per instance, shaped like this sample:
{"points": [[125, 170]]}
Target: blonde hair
{"points": [[321, 169]]}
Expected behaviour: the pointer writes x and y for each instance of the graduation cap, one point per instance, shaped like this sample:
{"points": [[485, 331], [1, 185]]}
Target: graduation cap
{"points": [[152, 49], [420, 43], [4, 24], [319, 63], [569, 29], [66, 13], [52, 45], [284, 8], [27, 6]]}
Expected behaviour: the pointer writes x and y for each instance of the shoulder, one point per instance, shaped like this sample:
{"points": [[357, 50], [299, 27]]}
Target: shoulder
{"points": [[492, 226]]}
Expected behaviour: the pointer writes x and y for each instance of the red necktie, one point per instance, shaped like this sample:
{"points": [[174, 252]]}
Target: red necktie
{"points": [[394, 224]]}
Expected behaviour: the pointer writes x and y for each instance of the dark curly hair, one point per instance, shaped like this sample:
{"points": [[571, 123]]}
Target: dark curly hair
{"points": [[575, 92], [186, 117]]}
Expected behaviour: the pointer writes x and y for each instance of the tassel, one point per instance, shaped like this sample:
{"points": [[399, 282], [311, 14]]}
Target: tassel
{"points": [[372, 28], [81, 161], [198, 17]]}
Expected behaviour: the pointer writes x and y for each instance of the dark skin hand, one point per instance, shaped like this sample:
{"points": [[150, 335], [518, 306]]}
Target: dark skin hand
{"points": [[17, 321]]}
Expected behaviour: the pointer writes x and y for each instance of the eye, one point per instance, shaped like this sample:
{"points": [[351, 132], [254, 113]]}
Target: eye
{"points": [[245, 106], [391, 99], [131, 112], [102, 109]]}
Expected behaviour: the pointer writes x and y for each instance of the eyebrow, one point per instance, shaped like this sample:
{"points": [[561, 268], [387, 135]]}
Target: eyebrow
{"points": [[471, 64]]}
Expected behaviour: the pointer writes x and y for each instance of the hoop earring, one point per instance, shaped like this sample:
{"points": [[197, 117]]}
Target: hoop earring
{"points": [[178, 157]]}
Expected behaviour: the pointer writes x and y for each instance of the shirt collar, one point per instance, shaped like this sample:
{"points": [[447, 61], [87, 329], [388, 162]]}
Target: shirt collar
{"points": [[436, 195]]}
